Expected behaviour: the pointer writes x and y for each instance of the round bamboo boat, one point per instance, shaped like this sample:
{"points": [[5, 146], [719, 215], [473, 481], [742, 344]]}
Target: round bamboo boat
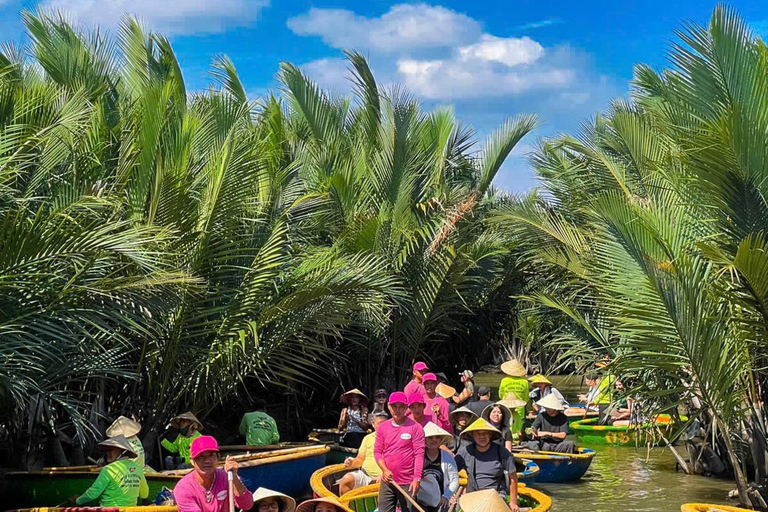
{"points": [[588, 432], [709, 507]]}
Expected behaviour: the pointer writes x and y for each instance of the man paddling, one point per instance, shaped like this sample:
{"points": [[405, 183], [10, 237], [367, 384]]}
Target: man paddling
{"points": [[416, 385], [206, 488], [399, 452], [416, 406], [436, 404]]}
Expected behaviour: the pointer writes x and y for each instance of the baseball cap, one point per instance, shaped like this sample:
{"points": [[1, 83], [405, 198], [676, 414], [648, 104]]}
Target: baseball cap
{"points": [[483, 390], [415, 398], [420, 366], [398, 397], [468, 374], [203, 444], [429, 377]]}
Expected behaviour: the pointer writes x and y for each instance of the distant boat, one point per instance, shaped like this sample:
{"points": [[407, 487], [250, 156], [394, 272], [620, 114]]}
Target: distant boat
{"points": [[588, 432], [557, 467], [331, 437]]}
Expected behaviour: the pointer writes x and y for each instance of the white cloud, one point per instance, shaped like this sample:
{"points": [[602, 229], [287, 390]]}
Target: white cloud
{"points": [[169, 17], [507, 51], [403, 27]]}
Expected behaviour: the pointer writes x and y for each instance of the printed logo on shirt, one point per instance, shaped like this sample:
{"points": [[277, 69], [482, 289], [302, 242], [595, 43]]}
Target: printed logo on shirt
{"points": [[406, 436], [221, 495]]}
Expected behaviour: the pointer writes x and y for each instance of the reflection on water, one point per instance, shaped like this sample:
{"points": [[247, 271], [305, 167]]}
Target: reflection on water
{"points": [[623, 479]]}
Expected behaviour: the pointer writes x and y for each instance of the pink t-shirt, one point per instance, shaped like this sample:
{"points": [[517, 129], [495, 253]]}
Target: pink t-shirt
{"points": [[426, 418], [415, 387], [443, 421], [190, 495], [402, 449]]}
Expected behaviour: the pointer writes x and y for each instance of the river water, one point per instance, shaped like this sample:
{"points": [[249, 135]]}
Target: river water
{"points": [[625, 479]]}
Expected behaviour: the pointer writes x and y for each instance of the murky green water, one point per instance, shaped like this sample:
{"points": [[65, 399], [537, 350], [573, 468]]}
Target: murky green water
{"points": [[623, 479]]}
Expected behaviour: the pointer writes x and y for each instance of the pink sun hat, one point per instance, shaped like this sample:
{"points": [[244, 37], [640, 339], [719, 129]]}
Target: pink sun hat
{"points": [[420, 366], [203, 444], [398, 397], [429, 377], [415, 398]]}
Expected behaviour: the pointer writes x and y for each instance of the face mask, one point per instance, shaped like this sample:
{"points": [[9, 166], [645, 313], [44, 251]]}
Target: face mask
{"points": [[184, 431]]}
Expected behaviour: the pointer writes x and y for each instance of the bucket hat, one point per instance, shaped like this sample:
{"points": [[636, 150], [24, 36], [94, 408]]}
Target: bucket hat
{"points": [[445, 391], [551, 402], [262, 493], [119, 442], [203, 444], [481, 425], [506, 414], [432, 430], [539, 379], [463, 409], [483, 501], [123, 426], [347, 394], [186, 416], [512, 401], [309, 505], [513, 368]]}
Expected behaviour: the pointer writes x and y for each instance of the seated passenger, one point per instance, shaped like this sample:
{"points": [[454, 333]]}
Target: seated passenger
{"points": [[440, 478], [550, 428], [461, 418], [499, 417], [354, 418], [130, 429], [121, 482], [266, 500], [379, 404], [189, 429], [322, 505], [542, 388], [622, 414], [369, 471], [258, 427], [516, 424]]}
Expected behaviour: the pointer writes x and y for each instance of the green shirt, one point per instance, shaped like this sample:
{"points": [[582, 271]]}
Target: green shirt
{"points": [[135, 443], [181, 446], [259, 429], [119, 484], [520, 386], [605, 389]]}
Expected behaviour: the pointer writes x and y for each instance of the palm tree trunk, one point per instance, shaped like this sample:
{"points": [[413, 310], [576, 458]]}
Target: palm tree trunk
{"points": [[741, 481]]}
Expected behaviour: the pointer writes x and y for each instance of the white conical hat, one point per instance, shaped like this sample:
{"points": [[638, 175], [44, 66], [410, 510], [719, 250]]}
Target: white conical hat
{"points": [[551, 402], [262, 493], [432, 430], [123, 426], [483, 501]]}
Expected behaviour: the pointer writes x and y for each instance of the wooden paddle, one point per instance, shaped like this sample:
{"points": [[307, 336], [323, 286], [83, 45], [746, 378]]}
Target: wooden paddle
{"points": [[231, 489], [407, 496]]}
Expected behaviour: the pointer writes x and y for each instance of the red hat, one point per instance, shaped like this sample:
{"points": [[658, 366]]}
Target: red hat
{"points": [[420, 366], [428, 377], [203, 444], [398, 397], [415, 398]]}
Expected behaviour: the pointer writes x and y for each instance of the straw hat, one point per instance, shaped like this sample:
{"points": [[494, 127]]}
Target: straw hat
{"points": [[483, 501], [513, 368], [463, 409], [512, 401], [551, 402], [123, 426], [506, 414], [186, 416], [481, 425], [445, 391], [539, 379], [119, 442], [345, 396], [309, 505], [432, 430], [262, 493]]}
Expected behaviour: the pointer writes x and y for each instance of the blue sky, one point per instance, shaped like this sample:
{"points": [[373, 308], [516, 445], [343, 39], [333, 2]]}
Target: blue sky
{"points": [[489, 60]]}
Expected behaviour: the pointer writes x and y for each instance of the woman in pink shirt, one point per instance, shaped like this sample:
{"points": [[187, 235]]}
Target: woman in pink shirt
{"points": [[205, 489], [399, 452], [437, 406]]}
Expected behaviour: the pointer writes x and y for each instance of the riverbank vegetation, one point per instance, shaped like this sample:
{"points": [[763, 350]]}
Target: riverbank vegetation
{"points": [[166, 249]]}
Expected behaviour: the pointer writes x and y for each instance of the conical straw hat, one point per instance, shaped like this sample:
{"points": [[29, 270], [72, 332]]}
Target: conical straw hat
{"points": [[483, 501], [506, 414], [262, 493], [186, 416], [512, 401], [463, 409], [480, 425], [539, 379], [513, 368], [345, 396], [123, 426], [445, 391], [551, 402], [432, 430], [120, 442], [309, 505]]}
